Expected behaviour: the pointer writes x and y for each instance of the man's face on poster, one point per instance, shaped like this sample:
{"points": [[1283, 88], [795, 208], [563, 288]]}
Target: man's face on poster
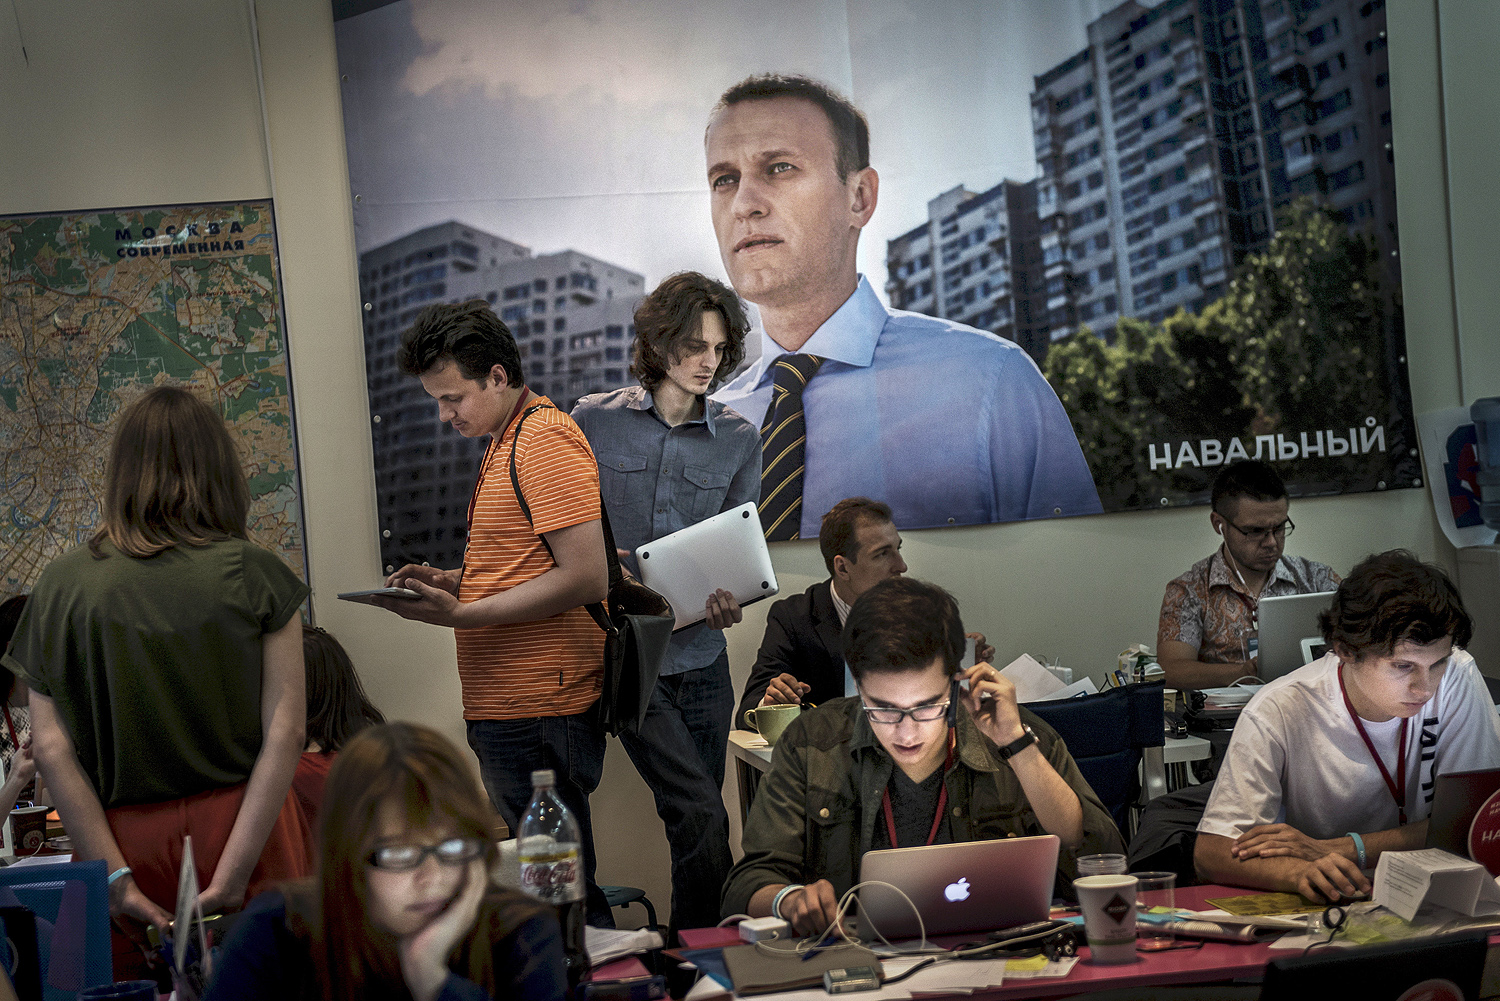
{"points": [[787, 225]]}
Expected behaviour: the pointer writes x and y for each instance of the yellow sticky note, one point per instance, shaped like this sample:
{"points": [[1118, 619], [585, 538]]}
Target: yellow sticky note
{"points": [[1031, 965]]}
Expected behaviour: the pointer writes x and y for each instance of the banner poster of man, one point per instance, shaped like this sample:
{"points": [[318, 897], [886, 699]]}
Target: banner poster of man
{"points": [[1029, 259]]}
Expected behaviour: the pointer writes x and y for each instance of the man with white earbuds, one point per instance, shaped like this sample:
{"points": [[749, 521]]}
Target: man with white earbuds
{"points": [[1207, 634]]}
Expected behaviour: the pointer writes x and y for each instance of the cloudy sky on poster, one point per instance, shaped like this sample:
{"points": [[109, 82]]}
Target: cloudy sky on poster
{"points": [[580, 126]]}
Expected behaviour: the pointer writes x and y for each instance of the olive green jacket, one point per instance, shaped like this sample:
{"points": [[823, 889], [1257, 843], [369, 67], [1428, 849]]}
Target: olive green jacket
{"points": [[815, 810]]}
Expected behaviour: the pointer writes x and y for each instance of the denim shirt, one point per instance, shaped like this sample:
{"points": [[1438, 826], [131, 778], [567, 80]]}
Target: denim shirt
{"points": [[815, 811], [658, 479]]}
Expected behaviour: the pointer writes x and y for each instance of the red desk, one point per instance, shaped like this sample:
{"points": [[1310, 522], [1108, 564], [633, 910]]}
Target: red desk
{"points": [[1215, 961]]}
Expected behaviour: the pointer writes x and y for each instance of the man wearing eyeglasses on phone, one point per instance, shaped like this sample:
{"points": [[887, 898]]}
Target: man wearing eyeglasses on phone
{"points": [[1207, 634], [914, 758]]}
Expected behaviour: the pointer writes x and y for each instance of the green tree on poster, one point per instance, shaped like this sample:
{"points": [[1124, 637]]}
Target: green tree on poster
{"points": [[1296, 344]]}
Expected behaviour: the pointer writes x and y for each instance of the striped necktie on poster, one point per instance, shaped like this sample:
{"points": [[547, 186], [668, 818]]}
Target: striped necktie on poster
{"points": [[783, 441]]}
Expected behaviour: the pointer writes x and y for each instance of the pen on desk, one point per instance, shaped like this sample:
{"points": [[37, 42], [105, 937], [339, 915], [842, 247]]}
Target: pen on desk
{"points": [[818, 947]]}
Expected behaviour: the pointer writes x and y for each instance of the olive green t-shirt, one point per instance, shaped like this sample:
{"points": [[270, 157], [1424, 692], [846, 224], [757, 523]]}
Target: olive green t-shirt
{"points": [[155, 664]]}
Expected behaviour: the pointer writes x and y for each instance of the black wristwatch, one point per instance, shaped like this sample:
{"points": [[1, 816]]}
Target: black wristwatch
{"points": [[1020, 744]]}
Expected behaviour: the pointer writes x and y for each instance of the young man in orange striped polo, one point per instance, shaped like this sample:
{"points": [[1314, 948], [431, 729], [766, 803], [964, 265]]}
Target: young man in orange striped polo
{"points": [[529, 655]]}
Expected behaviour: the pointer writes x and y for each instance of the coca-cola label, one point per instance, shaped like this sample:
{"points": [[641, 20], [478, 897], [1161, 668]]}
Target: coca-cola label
{"points": [[556, 879]]}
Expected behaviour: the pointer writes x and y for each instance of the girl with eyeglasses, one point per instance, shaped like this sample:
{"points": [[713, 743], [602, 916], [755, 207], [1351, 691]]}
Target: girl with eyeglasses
{"points": [[402, 905]]}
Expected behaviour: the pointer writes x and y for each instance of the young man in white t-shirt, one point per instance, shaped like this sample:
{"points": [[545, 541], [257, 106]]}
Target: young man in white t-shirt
{"points": [[1334, 763]]}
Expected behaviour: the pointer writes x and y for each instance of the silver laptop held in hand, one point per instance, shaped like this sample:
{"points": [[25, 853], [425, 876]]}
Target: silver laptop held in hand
{"points": [[727, 550]]}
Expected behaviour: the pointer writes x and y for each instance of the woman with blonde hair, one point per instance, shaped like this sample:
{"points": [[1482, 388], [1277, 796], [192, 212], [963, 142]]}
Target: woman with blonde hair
{"points": [[402, 905], [165, 664]]}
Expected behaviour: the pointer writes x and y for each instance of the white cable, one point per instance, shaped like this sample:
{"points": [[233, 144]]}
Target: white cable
{"points": [[837, 925]]}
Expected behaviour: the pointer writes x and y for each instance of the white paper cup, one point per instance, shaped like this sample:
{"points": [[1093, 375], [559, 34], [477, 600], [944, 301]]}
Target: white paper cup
{"points": [[1153, 890], [1108, 904]]}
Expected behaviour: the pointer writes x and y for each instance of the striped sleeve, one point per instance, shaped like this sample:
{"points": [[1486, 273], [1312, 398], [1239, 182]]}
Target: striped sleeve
{"points": [[558, 474]]}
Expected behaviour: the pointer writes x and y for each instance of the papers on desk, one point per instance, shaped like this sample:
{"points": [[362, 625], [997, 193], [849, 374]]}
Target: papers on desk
{"points": [[1404, 881], [1034, 683], [1264, 904], [1231, 697], [947, 977], [605, 945]]}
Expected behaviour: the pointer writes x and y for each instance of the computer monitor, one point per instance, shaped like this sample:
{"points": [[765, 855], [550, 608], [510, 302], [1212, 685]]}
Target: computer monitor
{"points": [[1448, 966], [1284, 623]]}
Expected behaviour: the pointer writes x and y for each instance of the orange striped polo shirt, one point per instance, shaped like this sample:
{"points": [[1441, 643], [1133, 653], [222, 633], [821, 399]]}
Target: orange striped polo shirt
{"points": [[551, 667]]}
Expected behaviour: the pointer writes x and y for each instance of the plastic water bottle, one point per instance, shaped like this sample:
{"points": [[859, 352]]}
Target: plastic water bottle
{"points": [[552, 867]]}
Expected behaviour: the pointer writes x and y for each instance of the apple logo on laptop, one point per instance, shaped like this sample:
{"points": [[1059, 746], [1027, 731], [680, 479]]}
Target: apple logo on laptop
{"points": [[957, 891]]}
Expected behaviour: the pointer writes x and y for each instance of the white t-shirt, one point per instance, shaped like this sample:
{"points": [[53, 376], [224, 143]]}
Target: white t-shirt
{"points": [[1296, 757]]}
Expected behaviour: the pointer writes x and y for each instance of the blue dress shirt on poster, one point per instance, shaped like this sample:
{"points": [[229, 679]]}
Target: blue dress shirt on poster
{"points": [[947, 424]]}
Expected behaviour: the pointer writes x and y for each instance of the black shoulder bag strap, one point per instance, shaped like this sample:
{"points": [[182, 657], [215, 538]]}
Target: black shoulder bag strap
{"points": [[596, 609]]}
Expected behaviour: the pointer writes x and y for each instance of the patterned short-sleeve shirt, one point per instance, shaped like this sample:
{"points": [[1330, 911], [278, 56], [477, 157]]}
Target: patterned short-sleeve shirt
{"points": [[1209, 608]]}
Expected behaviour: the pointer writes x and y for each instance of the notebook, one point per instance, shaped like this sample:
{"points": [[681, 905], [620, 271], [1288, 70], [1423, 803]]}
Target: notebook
{"points": [[965, 887], [1285, 622], [726, 551], [775, 966]]}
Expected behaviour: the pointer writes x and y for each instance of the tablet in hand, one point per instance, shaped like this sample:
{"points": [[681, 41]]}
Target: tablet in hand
{"points": [[379, 592]]}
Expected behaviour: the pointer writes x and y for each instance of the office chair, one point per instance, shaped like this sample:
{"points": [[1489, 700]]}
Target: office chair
{"points": [[1107, 734], [623, 896]]}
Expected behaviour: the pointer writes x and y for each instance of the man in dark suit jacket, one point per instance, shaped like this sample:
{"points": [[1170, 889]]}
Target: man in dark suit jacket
{"points": [[801, 656]]}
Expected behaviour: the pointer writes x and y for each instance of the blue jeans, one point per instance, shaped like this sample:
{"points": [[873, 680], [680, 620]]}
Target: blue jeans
{"points": [[509, 750], [679, 751]]}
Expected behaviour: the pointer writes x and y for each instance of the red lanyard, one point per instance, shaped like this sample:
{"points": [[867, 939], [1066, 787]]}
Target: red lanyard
{"points": [[485, 464], [1397, 788], [937, 818]]}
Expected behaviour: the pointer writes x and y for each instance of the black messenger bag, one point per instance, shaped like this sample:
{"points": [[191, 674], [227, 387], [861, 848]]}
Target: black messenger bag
{"points": [[637, 624]]}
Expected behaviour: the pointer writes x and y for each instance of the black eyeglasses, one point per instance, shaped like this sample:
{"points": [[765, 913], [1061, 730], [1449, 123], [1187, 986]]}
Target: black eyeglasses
{"points": [[1281, 531], [453, 851], [920, 714]]}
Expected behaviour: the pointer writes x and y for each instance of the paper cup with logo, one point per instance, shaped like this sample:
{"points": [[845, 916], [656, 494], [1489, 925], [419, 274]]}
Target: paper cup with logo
{"points": [[1155, 902], [771, 721], [28, 828], [1108, 905]]}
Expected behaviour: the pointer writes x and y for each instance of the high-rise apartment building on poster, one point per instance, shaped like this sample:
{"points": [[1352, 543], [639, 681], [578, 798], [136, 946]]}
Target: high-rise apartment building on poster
{"points": [[975, 260], [571, 315], [1166, 147]]}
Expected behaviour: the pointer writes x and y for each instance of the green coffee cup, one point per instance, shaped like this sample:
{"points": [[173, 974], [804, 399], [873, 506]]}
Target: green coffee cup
{"points": [[771, 721]]}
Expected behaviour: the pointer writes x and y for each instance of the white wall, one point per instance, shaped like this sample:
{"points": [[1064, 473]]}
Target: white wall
{"points": [[156, 102]]}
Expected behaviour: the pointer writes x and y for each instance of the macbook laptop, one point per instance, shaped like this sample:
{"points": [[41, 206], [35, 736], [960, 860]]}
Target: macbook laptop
{"points": [[726, 551], [1285, 622], [967, 887], [1458, 801]]}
